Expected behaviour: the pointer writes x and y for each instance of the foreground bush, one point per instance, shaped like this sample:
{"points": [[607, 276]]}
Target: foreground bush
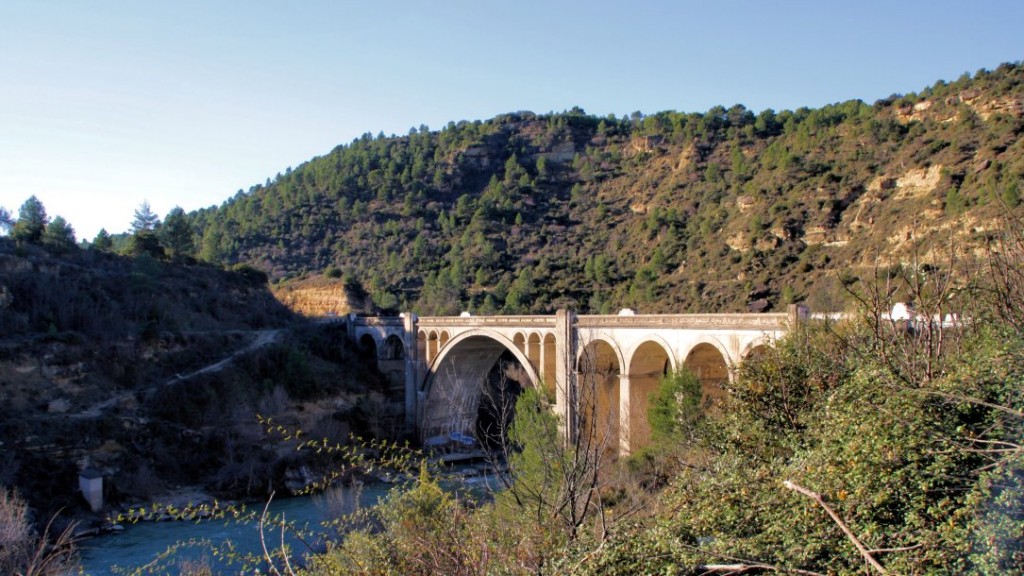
{"points": [[924, 478], [22, 552]]}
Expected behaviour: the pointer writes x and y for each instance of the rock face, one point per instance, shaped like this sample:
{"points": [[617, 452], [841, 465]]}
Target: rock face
{"points": [[319, 297], [918, 182], [988, 107], [561, 152]]}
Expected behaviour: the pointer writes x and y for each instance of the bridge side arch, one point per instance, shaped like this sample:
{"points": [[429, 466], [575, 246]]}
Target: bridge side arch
{"points": [[393, 348], [455, 380], [519, 340], [647, 363], [755, 347], [710, 362], [368, 345], [428, 342], [599, 369], [599, 353], [549, 358]]}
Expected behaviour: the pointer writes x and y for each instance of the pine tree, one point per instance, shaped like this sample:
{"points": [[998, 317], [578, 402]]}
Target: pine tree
{"points": [[59, 235], [144, 233], [102, 241], [145, 219], [31, 222], [176, 234]]}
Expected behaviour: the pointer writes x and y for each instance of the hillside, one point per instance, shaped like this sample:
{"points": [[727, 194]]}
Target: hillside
{"points": [[725, 210], [894, 443], [153, 372]]}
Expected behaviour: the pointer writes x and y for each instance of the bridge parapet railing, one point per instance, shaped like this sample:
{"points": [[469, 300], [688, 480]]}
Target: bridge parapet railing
{"points": [[388, 321], [489, 321], [768, 322]]}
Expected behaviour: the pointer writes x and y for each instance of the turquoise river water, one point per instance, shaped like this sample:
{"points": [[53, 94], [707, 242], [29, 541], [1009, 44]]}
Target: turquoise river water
{"points": [[140, 544]]}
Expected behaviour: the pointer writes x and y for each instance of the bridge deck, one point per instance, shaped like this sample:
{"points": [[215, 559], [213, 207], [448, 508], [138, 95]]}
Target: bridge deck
{"points": [[770, 322], [489, 321]]}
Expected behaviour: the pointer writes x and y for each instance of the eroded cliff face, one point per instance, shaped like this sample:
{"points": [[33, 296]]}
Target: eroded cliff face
{"points": [[321, 297], [945, 110]]}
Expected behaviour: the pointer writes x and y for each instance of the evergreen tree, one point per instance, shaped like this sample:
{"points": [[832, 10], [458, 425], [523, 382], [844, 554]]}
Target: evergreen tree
{"points": [[31, 222], [59, 235], [176, 234], [145, 219], [1011, 196], [102, 241], [211, 250], [520, 293], [675, 408], [144, 232], [146, 243]]}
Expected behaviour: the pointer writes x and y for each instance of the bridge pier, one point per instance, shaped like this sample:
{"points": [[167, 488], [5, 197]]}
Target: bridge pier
{"points": [[566, 345], [411, 369], [626, 416]]}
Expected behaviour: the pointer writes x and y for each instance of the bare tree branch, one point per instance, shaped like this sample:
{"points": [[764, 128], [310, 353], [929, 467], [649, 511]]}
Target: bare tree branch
{"points": [[266, 553], [839, 522]]}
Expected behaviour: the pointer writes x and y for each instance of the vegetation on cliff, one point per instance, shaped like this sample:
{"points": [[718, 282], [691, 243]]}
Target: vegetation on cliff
{"points": [[725, 210]]}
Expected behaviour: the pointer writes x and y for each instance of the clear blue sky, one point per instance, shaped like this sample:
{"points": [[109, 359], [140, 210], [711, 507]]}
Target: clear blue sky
{"points": [[105, 104]]}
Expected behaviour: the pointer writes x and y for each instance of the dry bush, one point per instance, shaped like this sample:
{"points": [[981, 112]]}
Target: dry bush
{"points": [[195, 567], [339, 499], [22, 553], [1005, 290], [15, 532]]}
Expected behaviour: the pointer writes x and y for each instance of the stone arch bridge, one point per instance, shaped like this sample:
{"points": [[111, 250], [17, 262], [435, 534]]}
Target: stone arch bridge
{"points": [[610, 364]]}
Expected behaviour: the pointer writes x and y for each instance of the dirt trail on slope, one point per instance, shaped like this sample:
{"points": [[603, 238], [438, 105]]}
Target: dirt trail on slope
{"points": [[263, 338]]}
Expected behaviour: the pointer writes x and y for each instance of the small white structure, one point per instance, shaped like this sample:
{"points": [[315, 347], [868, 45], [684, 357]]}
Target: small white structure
{"points": [[90, 482], [901, 311]]}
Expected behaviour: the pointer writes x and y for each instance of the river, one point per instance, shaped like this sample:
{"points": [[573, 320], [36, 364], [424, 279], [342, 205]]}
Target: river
{"points": [[140, 544]]}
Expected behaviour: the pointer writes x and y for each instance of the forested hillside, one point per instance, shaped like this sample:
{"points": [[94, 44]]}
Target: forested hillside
{"points": [[725, 210]]}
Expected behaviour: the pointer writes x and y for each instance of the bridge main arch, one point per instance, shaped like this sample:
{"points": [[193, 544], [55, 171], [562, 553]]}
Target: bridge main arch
{"points": [[458, 377]]}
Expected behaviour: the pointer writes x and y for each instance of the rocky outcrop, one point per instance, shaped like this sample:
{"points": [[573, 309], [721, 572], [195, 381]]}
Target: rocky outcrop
{"points": [[918, 182], [319, 297], [988, 107], [561, 152]]}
